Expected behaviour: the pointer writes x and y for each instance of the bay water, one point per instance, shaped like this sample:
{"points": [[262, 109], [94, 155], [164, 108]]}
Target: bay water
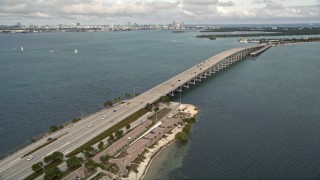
{"points": [[258, 119]]}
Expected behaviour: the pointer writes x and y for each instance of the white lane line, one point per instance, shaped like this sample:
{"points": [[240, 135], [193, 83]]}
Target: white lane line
{"points": [[51, 152], [12, 163], [64, 145]]}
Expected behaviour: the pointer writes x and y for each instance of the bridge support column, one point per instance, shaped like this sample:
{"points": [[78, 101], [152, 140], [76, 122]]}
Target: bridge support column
{"points": [[172, 93], [203, 75], [198, 78], [218, 67], [179, 89], [222, 64], [186, 85], [192, 81]]}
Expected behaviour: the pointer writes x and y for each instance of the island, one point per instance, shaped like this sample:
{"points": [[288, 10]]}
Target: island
{"points": [[250, 32]]}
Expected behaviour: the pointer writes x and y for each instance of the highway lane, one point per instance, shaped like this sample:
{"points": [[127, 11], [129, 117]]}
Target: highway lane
{"points": [[77, 138], [79, 133]]}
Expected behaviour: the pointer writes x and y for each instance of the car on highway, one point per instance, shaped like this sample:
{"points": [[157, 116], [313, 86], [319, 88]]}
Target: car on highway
{"points": [[90, 125], [30, 158], [114, 110], [49, 139]]}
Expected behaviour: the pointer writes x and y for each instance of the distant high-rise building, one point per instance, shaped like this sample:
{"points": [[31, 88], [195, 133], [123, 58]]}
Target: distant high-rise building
{"points": [[174, 23], [18, 25], [182, 25], [78, 24]]}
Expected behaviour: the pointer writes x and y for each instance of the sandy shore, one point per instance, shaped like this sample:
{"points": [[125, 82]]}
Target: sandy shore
{"points": [[161, 144]]}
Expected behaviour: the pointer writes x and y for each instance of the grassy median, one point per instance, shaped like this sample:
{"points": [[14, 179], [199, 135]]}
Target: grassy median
{"points": [[43, 145], [133, 117]]}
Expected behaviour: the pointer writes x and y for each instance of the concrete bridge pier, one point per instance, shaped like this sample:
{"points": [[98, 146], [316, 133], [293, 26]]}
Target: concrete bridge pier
{"points": [[192, 81], [172, 93], [198, 78], [212, 71], [226, 62], [186, 85], [203, 75]]}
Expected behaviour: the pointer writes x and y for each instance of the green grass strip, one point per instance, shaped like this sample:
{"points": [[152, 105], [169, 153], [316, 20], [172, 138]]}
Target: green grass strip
{"points": [[43, 145], [34, 175], [162, 113], [133, 117]]}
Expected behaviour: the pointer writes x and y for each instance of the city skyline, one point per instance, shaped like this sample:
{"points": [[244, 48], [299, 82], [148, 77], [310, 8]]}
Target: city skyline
{"points": [[159, 11]]}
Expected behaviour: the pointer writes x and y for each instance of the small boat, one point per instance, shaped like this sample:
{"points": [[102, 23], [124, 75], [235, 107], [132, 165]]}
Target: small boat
{"points": [[21, 48], [51, 51], [75, 51]]}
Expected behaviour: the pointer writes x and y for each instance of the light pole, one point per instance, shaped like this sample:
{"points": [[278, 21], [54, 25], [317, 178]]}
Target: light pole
{"points": [[180, 98], [81, 114], [134, 91]]}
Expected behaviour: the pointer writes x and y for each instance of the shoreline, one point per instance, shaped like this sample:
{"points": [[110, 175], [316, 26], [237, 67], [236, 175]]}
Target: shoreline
{"points": [[162, 144], [154, 156]]}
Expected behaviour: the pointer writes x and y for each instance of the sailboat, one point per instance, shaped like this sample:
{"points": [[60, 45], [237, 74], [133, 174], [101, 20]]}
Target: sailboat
{"points": [[21, 48], [75, 51]]}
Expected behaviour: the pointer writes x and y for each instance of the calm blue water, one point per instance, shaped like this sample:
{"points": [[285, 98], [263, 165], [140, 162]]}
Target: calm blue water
{"points": [[259, 119], [39, 89]]}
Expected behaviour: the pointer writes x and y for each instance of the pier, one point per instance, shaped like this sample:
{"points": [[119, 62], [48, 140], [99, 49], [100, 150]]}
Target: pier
{"points": [[259, 51]]}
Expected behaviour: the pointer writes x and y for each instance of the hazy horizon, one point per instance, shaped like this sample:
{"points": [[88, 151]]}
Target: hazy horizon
{"points": [[100, 12]]}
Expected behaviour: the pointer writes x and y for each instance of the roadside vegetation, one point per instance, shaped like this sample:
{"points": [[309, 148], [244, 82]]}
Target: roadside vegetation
{"points": [[43, 145], [114, 129], [49, 167], [184, 134]]}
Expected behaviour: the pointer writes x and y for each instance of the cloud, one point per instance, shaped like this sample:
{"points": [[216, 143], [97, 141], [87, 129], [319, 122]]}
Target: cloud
{"points": [[201, 2], [155, 11], [228, 3]]}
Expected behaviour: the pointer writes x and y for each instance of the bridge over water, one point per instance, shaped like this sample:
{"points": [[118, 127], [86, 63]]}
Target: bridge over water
{"points": [[200, 71], [16, 166]]}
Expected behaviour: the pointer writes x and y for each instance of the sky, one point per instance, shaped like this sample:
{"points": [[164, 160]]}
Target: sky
{"points": [[104, 12]]}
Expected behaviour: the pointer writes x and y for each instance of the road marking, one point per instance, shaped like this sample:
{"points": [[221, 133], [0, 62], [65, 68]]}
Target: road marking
{"points": [[12, 163], [51, 152], [25, 176], [64, 145]]}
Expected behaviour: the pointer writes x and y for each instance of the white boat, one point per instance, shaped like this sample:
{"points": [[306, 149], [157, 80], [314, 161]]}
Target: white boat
{"points": [[21, 48], [75, 51], [51, 50]]}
